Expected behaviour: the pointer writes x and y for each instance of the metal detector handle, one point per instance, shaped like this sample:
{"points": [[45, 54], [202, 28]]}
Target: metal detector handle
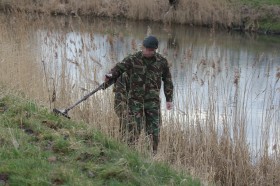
{"points": [[103, 86], [107, 84]]}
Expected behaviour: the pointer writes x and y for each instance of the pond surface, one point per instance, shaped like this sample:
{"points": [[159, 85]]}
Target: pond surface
{"points": [[226, 78]]}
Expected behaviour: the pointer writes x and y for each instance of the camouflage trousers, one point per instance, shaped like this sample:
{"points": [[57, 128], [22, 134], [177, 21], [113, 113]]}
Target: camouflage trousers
{"points": [[137, 118]]}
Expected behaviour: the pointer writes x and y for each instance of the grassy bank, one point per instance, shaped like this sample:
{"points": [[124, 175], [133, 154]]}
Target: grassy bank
{"points": [[260, 16], [242, 15], [38, 148]]}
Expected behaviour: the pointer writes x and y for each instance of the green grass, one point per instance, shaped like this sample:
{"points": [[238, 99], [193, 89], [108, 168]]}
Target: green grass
{"points": [[261, 2], [269, 25], [39, 148], [268, 21]]}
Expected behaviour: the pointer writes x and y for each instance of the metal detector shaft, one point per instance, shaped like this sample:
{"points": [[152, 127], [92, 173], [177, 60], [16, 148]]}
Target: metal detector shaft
{"points": [[103, 86]]}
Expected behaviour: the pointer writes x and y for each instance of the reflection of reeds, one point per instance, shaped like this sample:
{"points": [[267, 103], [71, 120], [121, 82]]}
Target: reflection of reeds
{"points": [[278, 73], [46, 80], [207, 142]]}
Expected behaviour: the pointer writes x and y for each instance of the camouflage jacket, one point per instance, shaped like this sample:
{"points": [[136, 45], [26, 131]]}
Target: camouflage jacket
{"points": [[145, 76]]}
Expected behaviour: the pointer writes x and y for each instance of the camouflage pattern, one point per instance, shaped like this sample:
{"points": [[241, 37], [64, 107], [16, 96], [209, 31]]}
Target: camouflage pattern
{"points": [[121, 89], [137, 94]]}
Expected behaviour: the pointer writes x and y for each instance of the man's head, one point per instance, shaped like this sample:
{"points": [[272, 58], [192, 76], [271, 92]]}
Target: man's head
{"points": [[150, 44]]}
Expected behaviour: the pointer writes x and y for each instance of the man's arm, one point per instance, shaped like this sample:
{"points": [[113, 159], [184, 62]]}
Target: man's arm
{"points": [[120, 68], [168, 84]]}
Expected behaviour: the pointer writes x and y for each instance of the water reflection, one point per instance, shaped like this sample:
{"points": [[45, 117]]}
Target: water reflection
{"points": [[216, 75]]}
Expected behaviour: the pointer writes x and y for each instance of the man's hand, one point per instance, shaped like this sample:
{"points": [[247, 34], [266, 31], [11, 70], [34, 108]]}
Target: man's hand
{"points": [[169, 105], [108, 77]]}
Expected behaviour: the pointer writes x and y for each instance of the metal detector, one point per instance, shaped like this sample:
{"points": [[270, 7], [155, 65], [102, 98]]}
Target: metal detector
{"points": [[103, 86]]}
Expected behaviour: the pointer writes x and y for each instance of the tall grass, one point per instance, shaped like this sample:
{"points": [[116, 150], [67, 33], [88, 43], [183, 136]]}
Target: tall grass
{"points": [[209, 137], [198, 12], [212, 141], [253, 16]]}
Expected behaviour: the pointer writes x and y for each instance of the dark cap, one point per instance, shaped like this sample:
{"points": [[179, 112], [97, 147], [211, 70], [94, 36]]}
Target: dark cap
{"points": [[150, 42]]}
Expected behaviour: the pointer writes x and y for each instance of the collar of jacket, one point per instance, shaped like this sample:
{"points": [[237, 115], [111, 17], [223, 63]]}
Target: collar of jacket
{"points": [[156, 56]]}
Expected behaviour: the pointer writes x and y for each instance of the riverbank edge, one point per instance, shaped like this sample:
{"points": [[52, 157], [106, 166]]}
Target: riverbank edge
{"points": [[99, 159], [267, 22]]}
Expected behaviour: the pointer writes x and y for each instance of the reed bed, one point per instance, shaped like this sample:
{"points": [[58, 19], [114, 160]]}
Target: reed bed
{"points": [[208, 139], [195, 12]]}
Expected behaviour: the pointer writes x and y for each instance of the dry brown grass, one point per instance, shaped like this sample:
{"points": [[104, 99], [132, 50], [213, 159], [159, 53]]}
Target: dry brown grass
{"points": [[217, 154], [197, 12]]}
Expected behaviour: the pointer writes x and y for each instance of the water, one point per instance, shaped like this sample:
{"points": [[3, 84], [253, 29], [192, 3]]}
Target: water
{"points": [[217, 75]]}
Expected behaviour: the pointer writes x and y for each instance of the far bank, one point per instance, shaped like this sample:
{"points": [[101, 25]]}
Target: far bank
{"points": [[244, 16]]}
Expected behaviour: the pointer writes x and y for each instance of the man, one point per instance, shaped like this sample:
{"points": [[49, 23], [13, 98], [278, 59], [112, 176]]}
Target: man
{"points": [[142, 74], [173, 3]]}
